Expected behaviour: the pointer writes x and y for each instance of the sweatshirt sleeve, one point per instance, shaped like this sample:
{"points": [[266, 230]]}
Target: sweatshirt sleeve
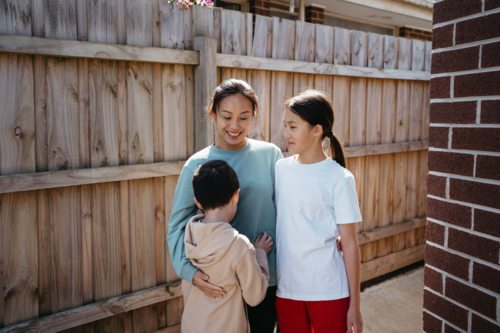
{"points": [[183, 209], [253, 274]]}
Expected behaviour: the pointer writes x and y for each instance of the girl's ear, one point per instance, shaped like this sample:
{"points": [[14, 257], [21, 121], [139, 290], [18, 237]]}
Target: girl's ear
{"points": [[318, 130]]}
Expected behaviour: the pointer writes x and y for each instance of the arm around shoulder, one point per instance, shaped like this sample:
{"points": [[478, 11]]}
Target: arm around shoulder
{"points": [[253, 274]]}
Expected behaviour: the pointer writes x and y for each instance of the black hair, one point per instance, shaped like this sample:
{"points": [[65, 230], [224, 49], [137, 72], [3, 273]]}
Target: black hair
{"points": [[316, 108], [214, 184]]}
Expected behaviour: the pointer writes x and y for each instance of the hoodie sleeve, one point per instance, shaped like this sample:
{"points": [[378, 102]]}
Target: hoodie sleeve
{"points": [[183, 209], [253, 274]]}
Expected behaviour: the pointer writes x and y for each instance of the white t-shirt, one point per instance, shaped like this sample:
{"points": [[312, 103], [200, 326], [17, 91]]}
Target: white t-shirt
{"points": [[311, 201]]}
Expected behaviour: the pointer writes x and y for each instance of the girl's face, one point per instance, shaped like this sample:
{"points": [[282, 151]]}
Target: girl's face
{"points": [[233, 121], [299, 134]]}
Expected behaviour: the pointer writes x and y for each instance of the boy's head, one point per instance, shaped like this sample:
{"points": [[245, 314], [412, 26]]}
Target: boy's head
{"points": [[215, 185]]}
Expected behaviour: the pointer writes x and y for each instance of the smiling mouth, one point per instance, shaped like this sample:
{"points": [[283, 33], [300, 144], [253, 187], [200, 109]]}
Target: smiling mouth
{"points": [[233, 135]]}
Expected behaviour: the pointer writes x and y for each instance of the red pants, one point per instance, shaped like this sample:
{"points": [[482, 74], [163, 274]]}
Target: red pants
{"points": [[312, 316]]}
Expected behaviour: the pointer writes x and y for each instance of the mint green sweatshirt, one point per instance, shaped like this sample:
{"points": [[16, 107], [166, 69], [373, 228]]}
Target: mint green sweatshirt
{"points": [[254, 164]]}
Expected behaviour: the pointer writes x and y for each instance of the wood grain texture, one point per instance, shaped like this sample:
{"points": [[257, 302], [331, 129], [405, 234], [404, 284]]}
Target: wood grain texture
{"points": [[233, 33], [342, 47], [102, 21], [390, 230], [190, 109], [375, 50], [217, 17], [16, 18], [61, 19], [121, 105], [325, 43], [79, 49], [304, 41], [418, 55], [294, 66], [359, 48], [174, 122], [262, 41], [404, 53], [139, 22], [40, 100], [283, 39], [172, 24], [342, 108], [260, 81], [391, 52], [282, 89], [428, 56], [44, 254], [99, 310], [19, 257], [203, 21]]}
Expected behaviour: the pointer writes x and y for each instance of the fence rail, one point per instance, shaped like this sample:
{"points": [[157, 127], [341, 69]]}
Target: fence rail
{"points": [[102, 102]]}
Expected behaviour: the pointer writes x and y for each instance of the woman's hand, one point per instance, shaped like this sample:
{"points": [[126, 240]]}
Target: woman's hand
{"points": [[265, 243], [200, 280], [354, 320]]}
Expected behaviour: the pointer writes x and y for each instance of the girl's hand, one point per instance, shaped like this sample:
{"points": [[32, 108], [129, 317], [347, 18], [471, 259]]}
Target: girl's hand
{"points": [[200, 280], [264, 243], [354, 320]]}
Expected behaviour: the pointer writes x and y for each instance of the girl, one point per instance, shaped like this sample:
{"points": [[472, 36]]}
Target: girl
{"points": [[318, 287], [232, 108]]}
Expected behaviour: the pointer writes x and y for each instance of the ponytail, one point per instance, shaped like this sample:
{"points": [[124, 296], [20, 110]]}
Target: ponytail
{"points": [[316, 108], [337, 150]]}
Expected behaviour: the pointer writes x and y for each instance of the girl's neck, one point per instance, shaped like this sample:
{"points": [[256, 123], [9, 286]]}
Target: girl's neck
{"points": [[313, 154]]}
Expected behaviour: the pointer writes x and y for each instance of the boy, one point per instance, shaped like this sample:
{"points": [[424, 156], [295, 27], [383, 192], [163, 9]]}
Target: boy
{"points": [[217, 249]]}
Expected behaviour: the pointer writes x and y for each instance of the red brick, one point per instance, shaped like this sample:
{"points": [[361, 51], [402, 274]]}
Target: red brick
{"points": [[450, 312], [455, 163], [455, 61], [480, 325], [491, 4], [488, 167], [440, 87], [449, 329], [476, 246], [490, 55], [453, 113], [452, 9], [490, 112], [471, 297], [477, 29], [442, 37], [477, 193], [482, 84], [435, 233], [448, 262], [433, 280], [449, 212], [432, 324], [487, 222], [438, 137], [485, 139], [436, 186], [486, 277]]}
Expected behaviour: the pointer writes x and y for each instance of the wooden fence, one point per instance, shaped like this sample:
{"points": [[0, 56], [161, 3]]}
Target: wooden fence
{"points": [[99, 102]]}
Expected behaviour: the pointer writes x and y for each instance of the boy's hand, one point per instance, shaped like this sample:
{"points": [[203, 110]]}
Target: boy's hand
{"points": [[200, 280], [339, 244], [265, 242]]}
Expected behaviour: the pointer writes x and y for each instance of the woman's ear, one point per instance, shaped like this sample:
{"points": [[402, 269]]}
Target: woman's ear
{"points": [[212, 114]]}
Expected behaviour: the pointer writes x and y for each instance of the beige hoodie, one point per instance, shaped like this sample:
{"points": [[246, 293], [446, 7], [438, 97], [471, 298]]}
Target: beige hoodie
{"points": [[232, 263]]}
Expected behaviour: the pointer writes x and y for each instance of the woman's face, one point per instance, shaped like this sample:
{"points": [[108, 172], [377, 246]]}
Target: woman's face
{"points": [[299, 134], [233, 121]]}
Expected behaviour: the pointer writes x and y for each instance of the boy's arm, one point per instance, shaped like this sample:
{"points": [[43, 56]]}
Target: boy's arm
{"points": [[183, 209], [253, 274], [352, 261]]}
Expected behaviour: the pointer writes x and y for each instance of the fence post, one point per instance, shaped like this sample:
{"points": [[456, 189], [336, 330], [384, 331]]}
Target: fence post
{"points": [[205, 75]]}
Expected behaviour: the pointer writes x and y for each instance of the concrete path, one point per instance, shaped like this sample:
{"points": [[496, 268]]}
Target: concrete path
{"points": [[395, 305]]}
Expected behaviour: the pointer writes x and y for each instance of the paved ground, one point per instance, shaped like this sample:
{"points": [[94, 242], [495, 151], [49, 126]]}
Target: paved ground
{"points": [[395, 305]]}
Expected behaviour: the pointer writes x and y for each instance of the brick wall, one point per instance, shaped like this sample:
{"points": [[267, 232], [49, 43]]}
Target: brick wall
{"points": [[315, 14], [415, 34], [462, 255]]}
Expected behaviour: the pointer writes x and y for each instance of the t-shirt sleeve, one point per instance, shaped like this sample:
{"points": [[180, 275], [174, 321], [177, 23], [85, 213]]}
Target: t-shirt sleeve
{"points": [[345, 201], [183, 209]]}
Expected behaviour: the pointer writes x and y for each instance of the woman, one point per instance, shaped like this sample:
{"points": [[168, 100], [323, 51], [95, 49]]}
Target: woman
{"points": [[233, 108]]}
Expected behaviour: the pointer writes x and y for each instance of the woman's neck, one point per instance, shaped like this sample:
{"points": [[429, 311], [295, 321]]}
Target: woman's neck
{"points": [[313, 154], [223, 145]]}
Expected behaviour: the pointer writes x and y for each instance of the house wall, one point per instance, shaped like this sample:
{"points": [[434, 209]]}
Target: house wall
{"points": [[462, 264]]}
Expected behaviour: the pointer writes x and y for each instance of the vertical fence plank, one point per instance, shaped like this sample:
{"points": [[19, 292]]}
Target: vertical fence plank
{"points": [[188, 30], [102, 21], [190, 109], [304, 51], [233, 33], [375, 50], [139, 24], [281, 82], [342, 47], [172, 24], [418, 55], [18, 240], [372, 166], [217, 17], [404, 53], [359, 44], [390, 52], [342, 108], [174, 122], [428, 55], [61, 19], [262, 41], [16, 18], [324, 45], [261, 83]]}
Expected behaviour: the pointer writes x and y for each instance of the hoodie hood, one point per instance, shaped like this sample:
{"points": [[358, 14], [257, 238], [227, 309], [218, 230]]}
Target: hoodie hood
{"points": [[207, 243]]}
